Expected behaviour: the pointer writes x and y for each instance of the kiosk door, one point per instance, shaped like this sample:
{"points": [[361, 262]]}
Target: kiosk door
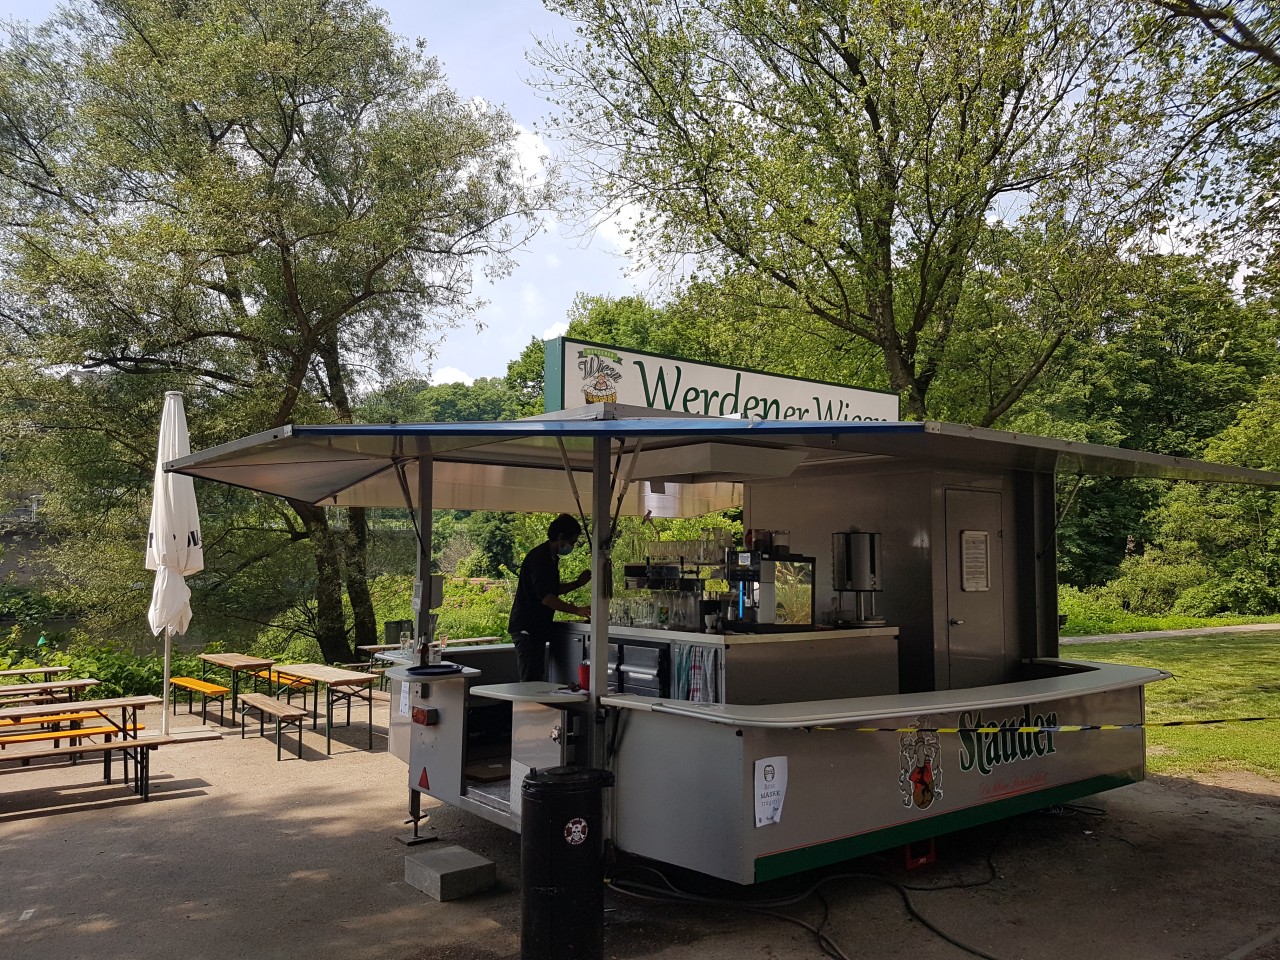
{"points": [[975, 589]]}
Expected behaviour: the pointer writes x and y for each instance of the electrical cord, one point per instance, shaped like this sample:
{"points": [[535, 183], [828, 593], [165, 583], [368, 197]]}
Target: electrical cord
{"points": [[769, 907], [644, 892]]}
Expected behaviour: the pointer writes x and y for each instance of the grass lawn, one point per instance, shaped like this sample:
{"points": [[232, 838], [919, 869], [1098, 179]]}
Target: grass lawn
{"points": [[1214, 676]]}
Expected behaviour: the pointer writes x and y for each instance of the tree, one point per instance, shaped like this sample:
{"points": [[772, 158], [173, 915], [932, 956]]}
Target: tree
{"points": [[250, 199], [860, 161], [1251, 28], [1172, 366], [1229, 135], [1229, 535]]}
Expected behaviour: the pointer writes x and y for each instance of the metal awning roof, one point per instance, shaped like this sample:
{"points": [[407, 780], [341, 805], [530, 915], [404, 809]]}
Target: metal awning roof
{"points": [[519, 465]]}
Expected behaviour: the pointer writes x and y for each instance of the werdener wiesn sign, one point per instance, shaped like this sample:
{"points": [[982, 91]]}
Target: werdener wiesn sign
{"points": [[578, 372]]}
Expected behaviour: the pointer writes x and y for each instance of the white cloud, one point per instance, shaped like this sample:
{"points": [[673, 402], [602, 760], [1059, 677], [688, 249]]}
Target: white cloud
{"points": [[555, 330], [532, 303], [551, 261], [617, 228], [451, 375], [533, 154]]}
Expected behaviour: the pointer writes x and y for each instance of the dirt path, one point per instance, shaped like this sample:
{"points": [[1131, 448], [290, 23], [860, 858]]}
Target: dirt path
{"points": [[240, 856]]}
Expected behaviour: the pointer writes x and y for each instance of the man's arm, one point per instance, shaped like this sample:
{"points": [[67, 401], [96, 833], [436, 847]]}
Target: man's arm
{"points": [[553, 600], [555, 603], [583, 578]]}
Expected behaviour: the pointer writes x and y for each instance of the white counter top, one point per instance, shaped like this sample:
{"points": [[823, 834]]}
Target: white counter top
{"points": [[1097, 678], [533, 691]]}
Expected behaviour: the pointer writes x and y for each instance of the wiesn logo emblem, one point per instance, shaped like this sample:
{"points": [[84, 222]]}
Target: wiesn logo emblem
{"points": [[600, 374], [920, 779]]}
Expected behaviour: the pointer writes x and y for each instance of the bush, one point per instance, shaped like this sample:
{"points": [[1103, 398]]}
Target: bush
{"points": [[474, 609], [120, 672], [471, 609], [1150, 585], [31, 607], [1090, 614], [1201, 600], [1247, 592]]}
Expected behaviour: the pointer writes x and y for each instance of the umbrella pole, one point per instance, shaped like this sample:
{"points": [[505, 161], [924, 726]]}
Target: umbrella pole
{"points": [[164, 707]]}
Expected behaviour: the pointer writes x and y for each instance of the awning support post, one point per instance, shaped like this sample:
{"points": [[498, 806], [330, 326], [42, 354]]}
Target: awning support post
{"points": [[601, 588], [422, 568]]}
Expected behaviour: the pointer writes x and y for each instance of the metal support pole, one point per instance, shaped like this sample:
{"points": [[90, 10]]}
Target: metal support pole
{"points": [[601, 588], [168, 648], [421, 606], [422, 569]]}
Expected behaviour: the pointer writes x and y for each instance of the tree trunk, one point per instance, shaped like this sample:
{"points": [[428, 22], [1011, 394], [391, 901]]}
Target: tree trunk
{"points": [[331, 631], [357, 577], [354, 546]]}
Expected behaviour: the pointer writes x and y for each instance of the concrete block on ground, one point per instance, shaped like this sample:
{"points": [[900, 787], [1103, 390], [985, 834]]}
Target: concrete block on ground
{"points": [[447, 873]]}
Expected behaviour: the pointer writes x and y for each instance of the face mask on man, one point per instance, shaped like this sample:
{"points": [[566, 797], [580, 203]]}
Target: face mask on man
{"points": [[565, 551]]}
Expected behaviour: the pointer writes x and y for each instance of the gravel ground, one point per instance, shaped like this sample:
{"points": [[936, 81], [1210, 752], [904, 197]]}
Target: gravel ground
{"points": [[237, 855]]}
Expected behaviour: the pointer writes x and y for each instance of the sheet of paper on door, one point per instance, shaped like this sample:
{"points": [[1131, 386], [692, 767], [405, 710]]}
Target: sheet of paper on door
{"points": [[975, 563]]}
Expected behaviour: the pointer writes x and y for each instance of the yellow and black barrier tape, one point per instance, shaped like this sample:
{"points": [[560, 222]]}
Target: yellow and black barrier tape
{"points": [[1060, 728]]}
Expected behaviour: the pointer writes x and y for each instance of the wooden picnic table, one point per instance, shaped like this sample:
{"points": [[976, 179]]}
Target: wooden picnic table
{"points": [[340, 686], [106, 708], [47, 690], [373, 649], [235, 663], [126, 730], [43, 671]]}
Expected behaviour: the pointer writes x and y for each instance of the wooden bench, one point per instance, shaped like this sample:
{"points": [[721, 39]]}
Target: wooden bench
{"points": [[284, 713], [73, 734], [206, 690], [8, 722], [137, 750]]}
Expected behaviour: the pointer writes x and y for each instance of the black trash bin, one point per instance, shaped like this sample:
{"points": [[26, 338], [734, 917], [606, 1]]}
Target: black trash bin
{"points": [[562, 863]]}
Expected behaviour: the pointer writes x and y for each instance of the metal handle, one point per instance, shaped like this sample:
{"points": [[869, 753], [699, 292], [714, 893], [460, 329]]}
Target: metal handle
{"points": [[642, 674], [955, 623]]}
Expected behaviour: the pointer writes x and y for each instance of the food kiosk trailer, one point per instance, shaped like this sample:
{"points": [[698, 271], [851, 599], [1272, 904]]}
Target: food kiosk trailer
{"points": [[878, 665]]}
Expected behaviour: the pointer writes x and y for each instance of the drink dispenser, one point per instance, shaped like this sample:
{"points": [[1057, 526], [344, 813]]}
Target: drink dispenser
{"points": [[753, 598], [856, 569]]}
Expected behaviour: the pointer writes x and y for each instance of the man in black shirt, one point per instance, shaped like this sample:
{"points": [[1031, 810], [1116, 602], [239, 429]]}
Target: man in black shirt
{"points": [[538, 593]]}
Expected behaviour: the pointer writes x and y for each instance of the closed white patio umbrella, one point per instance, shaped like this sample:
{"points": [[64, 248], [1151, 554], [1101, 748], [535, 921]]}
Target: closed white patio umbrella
{"points": [[174, 548]]}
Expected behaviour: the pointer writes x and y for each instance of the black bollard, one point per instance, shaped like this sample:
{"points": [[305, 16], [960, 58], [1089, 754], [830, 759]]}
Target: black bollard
{"points": [[562, 864]]}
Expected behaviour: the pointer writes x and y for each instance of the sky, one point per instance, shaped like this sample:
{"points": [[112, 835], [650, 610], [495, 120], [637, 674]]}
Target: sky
{"points": [[481, 45]]}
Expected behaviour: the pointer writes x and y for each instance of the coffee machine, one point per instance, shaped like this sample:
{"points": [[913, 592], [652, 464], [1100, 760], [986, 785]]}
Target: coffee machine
{"points": [[856, 569], [769, 591]]}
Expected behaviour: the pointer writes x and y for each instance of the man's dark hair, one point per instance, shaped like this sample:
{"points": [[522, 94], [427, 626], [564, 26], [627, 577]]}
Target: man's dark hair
{"points": [[564, 526]]}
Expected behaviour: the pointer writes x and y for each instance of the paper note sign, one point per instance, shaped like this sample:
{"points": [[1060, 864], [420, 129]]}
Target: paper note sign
{"points": [[404, 700], [975, 563], [771, 789]]}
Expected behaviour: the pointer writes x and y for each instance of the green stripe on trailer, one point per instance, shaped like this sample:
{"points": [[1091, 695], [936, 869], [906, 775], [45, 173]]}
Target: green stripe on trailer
{"points": [[783, 864]]}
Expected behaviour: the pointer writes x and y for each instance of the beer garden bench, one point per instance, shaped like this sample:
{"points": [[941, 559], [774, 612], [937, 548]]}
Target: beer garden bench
{"points": [[282, 713]]}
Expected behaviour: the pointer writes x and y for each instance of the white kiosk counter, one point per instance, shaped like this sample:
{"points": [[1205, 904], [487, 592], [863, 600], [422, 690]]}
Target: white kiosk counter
{"points": [[758, 792]]}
